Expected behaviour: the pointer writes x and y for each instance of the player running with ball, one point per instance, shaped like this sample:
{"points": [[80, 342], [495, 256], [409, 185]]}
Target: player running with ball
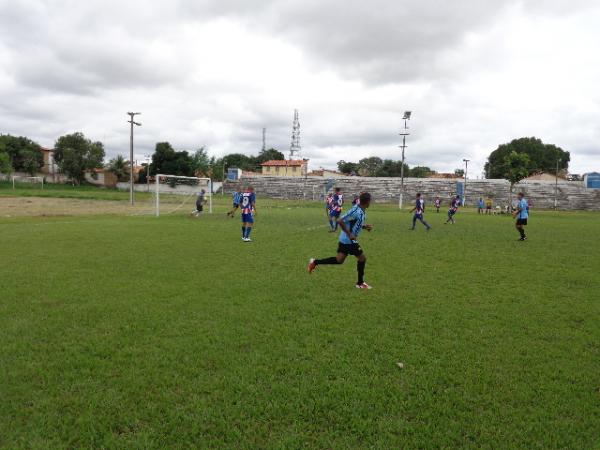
{"points": [[454, 204], [352, 223]]}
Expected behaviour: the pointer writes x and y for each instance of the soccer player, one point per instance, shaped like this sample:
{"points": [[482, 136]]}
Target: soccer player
{"points": [[480, 206], [248, 206], [454, 205], [521, 214], [488, 206], [328, 202], [336, 209], [419, 210], [351, 224], [437, 203], [199, 203], [237, 198]]}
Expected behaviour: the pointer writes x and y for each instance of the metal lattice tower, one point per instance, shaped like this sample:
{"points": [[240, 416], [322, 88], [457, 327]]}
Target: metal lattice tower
{"points": [[264, 144], [295, 148]]}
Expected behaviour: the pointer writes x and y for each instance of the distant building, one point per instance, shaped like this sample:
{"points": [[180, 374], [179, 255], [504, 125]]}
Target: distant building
{"points": [[285, 168], [101, 177], [592, 180], [50, 167]]}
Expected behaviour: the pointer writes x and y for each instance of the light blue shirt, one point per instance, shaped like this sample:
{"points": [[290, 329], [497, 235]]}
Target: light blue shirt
{"points": [[523, 206], [354, 221]]}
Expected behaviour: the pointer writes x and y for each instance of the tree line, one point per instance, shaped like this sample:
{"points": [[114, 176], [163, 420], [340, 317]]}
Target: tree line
{"points": [[75, 154]]}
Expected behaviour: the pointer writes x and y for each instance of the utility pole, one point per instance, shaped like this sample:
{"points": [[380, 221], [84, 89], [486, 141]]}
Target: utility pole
{"points": [[132, 122], [466, 161], [295, 148], [264, 140], [403, 133], [556, 186]]}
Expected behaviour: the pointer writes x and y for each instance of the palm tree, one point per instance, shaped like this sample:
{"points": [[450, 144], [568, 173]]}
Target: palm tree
{"points": [[119, 167]]}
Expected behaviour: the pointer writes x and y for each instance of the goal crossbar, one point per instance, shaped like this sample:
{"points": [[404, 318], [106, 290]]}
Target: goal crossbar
{"points": [[209, 189]]}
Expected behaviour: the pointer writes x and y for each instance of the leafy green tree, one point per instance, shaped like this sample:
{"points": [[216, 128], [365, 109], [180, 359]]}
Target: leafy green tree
{"points": [[200, 162], [391, 168], [24, 154], [240, 161], [459, 172], [270, 155], [75, 154], [542, 157], [167, 161], [119, 167], [421, 172], [515, 168], [368, 167], [5, 163], [349, 168]]}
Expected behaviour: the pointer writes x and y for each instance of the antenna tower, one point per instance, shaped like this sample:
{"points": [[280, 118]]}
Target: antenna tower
{"points": [[295, 148]]}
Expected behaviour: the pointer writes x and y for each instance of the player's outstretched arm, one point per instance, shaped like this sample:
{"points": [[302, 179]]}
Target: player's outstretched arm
{"points": [[367, 227]]}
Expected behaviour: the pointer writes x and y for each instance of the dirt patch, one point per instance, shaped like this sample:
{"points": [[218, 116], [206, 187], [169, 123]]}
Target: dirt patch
{"points": [[56, 207]]}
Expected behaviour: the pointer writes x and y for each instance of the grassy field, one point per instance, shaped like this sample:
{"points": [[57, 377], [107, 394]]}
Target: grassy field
{"points": [[138, 332]]}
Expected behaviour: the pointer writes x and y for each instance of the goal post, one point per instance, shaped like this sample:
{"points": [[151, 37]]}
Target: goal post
{"points": [[172, 185], [32, 180]]}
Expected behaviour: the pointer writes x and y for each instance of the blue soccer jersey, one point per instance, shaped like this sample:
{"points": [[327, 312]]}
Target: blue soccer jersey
{"points": [[354, 221], [419, 207], [237, 198], [247, 202], [524, 209]]}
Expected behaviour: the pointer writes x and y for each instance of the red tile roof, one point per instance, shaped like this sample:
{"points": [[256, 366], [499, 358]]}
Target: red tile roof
{"points": [[286, 163]]}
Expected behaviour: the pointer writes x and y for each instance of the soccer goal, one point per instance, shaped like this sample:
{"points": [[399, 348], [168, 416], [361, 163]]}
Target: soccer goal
{"points": [[174, 192], [32, 180]]}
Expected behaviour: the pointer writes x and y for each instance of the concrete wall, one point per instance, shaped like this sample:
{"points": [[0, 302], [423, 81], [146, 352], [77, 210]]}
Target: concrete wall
{"points": [[571, 195]]}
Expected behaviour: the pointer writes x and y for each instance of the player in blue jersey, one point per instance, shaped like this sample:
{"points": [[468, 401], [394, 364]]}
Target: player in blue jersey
{"points": [[328, 201], [351, 224], [419, 210], [521, 214], [335, 209], [248, 207], [237, 198], [454, 205]]}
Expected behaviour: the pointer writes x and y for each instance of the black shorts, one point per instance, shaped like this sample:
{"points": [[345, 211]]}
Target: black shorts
{"points": [[199, 207], [350, 249], [521, 221]]}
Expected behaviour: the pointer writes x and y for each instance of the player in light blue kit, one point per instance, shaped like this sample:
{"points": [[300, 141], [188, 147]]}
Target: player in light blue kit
{"points": [[419, 210], [351, 224], [248, 206], [237, 199], [521, 214]]}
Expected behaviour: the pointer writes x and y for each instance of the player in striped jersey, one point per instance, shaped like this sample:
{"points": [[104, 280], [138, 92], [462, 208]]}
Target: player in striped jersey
{"points": [[248, 206], [454, 204], [419, 210], [351, 223], [237, 198]]}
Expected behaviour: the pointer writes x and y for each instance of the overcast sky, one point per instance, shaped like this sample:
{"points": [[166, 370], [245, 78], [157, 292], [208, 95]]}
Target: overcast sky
{"points": [[475, 73]]}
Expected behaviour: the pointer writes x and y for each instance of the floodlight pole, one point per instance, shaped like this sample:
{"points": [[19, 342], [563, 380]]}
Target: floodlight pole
{"points": [[404, 133], [466, 161], [132, 122], [556, 186]]}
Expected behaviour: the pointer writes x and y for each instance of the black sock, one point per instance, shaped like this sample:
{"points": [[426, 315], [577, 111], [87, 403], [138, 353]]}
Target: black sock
{"points": [[332, 260], [522, 232], [360, 268], [243, 231]]}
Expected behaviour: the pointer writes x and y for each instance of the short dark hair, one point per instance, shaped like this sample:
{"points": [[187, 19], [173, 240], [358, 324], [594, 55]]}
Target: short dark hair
{"points": [[337, 189], [521, 194], [418, 194], [364, 197]]}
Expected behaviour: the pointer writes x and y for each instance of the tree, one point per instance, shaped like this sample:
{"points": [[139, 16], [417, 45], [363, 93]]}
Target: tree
{"points": [[368, 167], [167, 161], [421, 172], [459, 173], [75, 154], [5, 163], [25, 155], [200, 162], [119, 167], [349, 168], [269, 155], [391, 168], [542, 157], [515, 168]]}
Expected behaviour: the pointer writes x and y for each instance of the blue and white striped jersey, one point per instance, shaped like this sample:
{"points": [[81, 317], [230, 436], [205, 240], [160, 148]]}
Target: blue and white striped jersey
{"points": [[354, 221]]}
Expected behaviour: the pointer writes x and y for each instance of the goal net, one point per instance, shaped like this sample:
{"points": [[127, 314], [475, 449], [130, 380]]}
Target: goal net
{"points": [[175, 193], [17, 180]]}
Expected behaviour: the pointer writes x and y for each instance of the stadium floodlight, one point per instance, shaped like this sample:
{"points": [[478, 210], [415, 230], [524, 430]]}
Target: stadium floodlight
{"points": [[175, 187], [466, 161], [403, 133], [132, 122]]}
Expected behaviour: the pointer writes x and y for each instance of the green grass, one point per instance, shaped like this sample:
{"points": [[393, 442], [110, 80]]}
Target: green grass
{"points": [[137, 332]]}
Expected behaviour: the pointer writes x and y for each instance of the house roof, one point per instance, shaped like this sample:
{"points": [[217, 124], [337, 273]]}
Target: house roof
{"points": [[285, 162], [44, 149]]}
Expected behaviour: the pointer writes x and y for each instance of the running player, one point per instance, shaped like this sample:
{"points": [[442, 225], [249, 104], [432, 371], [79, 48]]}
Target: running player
{"points": [[237, 198], [454, 205], [521, 214], [351, 223], [437, 203], [328, 202], [199, 203], [336, 209], [248, 206], [419, 210]]}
